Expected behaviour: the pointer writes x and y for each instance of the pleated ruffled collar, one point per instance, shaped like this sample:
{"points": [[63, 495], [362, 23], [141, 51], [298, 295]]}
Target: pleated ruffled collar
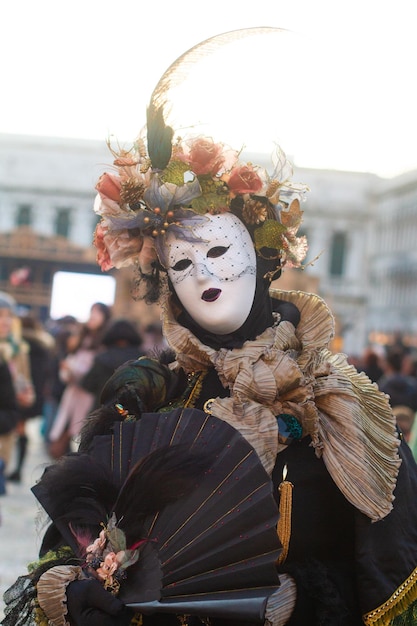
{"points": [[292, 371]]}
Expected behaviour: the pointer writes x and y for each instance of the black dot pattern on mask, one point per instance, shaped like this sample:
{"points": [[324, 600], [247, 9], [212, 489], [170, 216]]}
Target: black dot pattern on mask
{"points": [[223, 230]]}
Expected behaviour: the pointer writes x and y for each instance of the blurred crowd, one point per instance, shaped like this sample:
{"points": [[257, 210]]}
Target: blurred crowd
{"points": [[55, 371], [394, 369]]}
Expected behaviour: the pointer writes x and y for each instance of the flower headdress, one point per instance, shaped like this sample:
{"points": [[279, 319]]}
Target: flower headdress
{"points": [[165, 177]]}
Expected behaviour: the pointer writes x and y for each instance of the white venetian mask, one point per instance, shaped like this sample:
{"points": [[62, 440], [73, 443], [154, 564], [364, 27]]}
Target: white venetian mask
{"points": [[214, 276]]}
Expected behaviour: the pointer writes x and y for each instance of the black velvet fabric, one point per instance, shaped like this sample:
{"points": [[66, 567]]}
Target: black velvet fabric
{"points": [[387, 550], [344, 564], [321, 553]]}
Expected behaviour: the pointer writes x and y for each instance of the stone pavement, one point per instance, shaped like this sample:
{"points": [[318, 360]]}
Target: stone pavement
{"points": [[20, 523]]}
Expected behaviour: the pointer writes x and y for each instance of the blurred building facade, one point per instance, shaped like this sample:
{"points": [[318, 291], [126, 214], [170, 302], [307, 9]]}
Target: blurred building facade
{"points": [[361, 229], [392, 304]]}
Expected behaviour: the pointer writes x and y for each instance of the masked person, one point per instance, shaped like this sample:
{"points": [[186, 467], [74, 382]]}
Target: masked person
{"points": [[15, 351], [207, 234]]}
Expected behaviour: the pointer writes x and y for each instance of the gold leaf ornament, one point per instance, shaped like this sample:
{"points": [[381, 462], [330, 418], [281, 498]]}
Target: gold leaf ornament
{"points": [[293, 216], [269, 235], [174, 173]]}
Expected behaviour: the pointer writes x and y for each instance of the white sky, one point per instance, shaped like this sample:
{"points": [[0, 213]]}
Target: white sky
{"points": [[339, 93]]}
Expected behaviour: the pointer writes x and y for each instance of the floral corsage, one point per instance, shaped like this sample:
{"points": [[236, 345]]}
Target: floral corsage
{"points": [[109, 557]]}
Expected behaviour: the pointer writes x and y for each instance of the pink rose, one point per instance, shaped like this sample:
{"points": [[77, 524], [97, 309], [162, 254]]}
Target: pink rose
{"points": [[109, 186], [244, 179]]}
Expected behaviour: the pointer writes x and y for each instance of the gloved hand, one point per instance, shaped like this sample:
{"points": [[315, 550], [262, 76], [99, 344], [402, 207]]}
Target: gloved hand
{"points": [[89, 604]]}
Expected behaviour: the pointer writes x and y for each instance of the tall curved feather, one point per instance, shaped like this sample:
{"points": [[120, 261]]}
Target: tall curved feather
{"points": [[159, 134], [178, 71]]}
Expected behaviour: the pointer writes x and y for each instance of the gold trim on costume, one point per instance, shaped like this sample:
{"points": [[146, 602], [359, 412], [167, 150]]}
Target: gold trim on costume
{"points": [[400, 600], [196, 390]]}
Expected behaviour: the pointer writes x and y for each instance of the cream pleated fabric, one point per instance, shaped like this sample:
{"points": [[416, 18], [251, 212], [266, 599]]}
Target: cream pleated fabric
{"points": [[51, 590]]}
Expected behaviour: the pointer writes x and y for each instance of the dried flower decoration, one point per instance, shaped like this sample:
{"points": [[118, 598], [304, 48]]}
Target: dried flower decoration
{"points": [[109, 556], [139, 202]]}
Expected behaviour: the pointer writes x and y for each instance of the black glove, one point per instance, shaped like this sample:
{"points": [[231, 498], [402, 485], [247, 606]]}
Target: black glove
{"points": [[89, 604]]}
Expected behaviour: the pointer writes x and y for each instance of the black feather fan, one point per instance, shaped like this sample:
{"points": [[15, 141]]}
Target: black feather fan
{"points": [[215, 544], [78, 494], [194, 489]]}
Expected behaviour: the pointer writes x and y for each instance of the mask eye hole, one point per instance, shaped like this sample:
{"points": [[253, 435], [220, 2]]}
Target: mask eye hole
{"points": [[181, 265], [217, 251]]}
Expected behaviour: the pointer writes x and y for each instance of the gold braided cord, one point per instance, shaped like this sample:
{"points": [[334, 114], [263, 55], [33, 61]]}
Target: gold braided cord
{"points": [[399, 602]]}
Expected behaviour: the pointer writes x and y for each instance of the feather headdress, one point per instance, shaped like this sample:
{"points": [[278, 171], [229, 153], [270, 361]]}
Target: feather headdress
{"points": [[159, 132]]}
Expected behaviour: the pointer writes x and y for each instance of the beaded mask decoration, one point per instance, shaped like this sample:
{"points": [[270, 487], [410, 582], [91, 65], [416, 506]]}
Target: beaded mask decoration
{"points": [[165, 178]]}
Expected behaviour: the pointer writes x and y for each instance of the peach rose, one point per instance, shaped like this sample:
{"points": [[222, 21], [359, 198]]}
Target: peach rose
{"points": [[103, 255], [108, 566], [97, 546], [204, 156], [123, 247], [109, 186], [244, 179]]}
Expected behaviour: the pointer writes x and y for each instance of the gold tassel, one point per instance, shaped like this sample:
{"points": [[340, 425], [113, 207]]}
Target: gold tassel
{"points": [[285, 509]]}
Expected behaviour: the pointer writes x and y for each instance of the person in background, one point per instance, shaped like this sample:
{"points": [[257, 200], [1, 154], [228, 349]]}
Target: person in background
{"points": [[9, 415], [371, 365], [15, 351], [76, 402], [41, 345], [121, 342], [60, 329], [154, 341], [401, 388]]}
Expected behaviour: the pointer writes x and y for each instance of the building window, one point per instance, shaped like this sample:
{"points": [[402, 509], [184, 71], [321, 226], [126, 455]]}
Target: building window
{"points": [[24, 215], [338, 254], [62, 222], [46, 278]]}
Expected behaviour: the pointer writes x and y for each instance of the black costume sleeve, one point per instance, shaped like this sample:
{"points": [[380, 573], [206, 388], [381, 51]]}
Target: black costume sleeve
{"points": [[136, 387], [141, 385]]}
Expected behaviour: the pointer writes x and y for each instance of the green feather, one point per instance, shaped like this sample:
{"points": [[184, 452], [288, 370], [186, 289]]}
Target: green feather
{"points": [[159, 138]]}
